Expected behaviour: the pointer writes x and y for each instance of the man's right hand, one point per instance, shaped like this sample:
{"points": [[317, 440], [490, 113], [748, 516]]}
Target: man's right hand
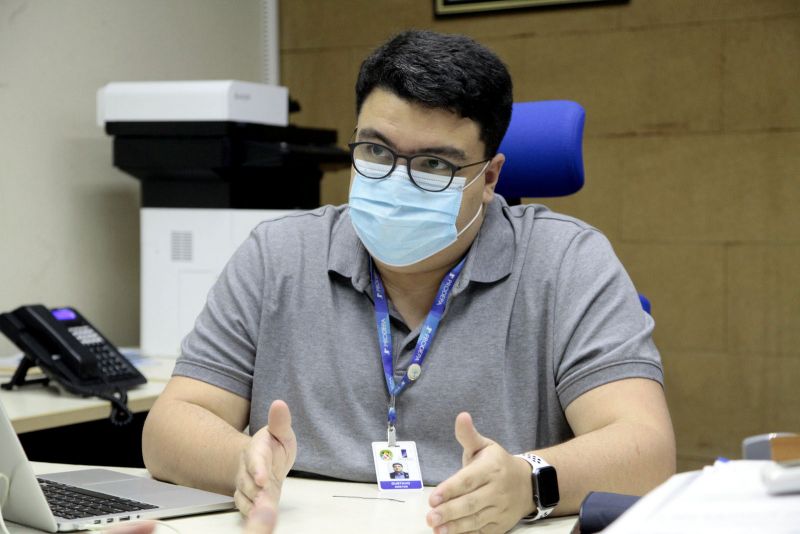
{"points": [[266, 461]]}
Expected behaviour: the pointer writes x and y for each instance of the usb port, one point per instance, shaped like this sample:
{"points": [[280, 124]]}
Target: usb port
{"points": [[125, 518]]}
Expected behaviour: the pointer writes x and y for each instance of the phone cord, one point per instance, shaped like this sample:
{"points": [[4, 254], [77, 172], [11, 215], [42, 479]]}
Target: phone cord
{"points": [[120, 413]]}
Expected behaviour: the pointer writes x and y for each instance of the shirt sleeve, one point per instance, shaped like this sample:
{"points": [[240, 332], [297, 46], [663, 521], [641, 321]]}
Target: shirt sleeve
{"points": [[221, 348], [602, 333]]}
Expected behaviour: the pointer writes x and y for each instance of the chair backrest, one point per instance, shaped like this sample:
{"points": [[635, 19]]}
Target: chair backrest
{"points": [[544, 150], [544, 153]]}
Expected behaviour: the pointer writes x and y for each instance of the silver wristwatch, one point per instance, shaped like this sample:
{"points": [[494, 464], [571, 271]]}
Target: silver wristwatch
{"points": [[544, 486]]}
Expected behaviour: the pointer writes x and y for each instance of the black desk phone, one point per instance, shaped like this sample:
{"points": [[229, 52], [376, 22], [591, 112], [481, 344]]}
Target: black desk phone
{"points": [[71, 353]]}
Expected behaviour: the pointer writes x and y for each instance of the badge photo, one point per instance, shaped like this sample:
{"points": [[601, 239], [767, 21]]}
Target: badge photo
{"points": [[397, 468]]}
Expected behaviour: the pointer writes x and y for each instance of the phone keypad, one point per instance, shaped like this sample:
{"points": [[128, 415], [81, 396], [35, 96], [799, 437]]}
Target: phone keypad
{"points": [[108, 361], [86, 335], [110, 364]]}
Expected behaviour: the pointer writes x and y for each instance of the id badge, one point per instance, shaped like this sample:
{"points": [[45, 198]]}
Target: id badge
{"points": [[397, 468]]}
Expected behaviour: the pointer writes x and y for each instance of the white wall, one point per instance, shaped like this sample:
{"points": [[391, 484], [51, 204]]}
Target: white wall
{"points": [[69, 221]]}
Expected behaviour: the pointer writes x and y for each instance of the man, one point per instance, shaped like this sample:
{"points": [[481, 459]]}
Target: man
{"points": [[397, 471], [513, 320]]}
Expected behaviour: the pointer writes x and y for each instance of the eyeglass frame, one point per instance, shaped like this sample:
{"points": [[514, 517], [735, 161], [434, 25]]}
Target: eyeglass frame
{"points": [[453, 167]]}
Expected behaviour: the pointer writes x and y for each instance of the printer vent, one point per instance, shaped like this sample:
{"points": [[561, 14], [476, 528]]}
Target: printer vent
{"points": [[181, 246]]}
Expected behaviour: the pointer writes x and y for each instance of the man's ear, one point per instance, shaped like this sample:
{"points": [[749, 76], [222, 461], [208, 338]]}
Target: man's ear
{"points": [[492, 175]]}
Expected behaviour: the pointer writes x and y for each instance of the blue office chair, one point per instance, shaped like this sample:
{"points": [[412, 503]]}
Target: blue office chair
{"points": [[544, 150], [544, 153]]}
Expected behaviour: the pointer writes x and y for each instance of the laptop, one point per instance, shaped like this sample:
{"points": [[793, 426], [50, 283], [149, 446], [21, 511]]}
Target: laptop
{"points": [[87, 498]]}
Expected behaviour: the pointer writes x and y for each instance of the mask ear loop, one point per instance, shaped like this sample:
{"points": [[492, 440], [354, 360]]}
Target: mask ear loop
{"points": [[480, 206], [483, 170], [475, 218]]}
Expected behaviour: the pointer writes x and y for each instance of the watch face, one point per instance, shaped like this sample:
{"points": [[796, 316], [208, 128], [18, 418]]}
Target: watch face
{"points": [[547, 487]]}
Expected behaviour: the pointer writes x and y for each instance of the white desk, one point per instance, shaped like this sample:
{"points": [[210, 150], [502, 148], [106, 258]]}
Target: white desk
{"points": [[319, 506], [37, 407]]}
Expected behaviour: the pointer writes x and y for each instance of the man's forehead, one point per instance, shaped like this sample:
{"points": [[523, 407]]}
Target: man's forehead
{"points": [[408, 126]]}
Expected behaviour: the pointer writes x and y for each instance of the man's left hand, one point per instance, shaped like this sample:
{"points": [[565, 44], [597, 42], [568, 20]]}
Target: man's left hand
{"points": [[490, 493]]}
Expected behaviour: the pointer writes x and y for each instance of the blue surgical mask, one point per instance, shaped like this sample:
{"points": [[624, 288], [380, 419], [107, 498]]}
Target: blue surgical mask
{"points": [[399, 223]]}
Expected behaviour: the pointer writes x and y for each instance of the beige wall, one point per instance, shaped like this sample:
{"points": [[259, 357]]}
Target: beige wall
{"points": [[69, 221], [692, 157]]}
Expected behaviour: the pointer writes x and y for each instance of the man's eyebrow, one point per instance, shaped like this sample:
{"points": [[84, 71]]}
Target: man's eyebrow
{"points": [[445, 150]]}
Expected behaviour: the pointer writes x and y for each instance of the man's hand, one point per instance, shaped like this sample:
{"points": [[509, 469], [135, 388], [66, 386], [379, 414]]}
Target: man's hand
{"points": [[490, 493], [260, 520], [145, 527], [266, 461], [262, 517]]}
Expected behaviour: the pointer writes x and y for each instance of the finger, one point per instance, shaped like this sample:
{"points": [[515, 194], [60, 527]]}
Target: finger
{"points": [[489, 528], [243, 504], [466, 480], [258, 458], [479, 522], [272, 490], [280, 422], [470, 511], [469, 437], [145, 527], [246, 484], [262, 517], [280, 428]]}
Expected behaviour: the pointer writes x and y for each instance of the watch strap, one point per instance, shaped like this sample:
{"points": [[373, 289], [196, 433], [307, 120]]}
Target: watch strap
{"points": [[536, 463]]}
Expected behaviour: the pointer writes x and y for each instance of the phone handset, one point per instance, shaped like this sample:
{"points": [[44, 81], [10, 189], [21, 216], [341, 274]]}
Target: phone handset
{"points": [[64, 347]]}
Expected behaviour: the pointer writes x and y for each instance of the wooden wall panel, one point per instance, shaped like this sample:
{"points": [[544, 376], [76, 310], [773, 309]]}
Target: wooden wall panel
{"points": [[762, 75], [718, 188], [632, 81], [763, 294], [715, 399], [685, 283], [683, 12]]}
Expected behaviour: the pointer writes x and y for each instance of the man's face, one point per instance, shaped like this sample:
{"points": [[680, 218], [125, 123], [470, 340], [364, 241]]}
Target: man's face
{"points": [[398, 468], [409, 128]]}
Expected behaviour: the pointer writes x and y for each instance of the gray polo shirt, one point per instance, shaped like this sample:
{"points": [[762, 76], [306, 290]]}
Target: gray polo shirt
{"points": [[543, 312]]}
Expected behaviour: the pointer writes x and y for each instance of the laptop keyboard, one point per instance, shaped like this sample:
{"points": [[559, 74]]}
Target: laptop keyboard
{"points": [[70, 502]]}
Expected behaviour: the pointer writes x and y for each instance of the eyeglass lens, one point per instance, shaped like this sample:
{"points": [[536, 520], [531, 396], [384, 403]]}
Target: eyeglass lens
{"points": [[427, 172]]}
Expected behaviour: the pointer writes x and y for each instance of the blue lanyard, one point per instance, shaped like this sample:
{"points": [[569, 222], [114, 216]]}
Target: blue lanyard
{"points": [[424, 341]]}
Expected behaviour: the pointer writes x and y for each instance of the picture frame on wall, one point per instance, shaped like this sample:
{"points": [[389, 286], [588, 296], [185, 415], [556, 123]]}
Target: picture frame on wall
{"points": [[457, 7]]}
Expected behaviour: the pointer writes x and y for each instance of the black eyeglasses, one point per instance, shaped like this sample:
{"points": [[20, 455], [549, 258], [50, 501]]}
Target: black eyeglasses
{"points": [[428, 172]]}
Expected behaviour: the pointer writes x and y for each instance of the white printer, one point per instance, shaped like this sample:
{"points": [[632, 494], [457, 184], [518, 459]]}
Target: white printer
{"points": [[209, 100], [214, 159]]}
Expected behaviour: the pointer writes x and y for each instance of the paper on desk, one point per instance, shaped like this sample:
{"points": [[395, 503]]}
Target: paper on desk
{"points": [[725, 498], [152, 367]]}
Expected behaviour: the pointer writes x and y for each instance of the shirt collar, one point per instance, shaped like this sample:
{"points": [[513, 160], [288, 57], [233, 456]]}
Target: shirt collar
{"points": [[347, 255], [490, 258]]}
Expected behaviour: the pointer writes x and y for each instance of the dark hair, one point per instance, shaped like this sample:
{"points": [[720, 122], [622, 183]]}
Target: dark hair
{"points": [[446, 71]]}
